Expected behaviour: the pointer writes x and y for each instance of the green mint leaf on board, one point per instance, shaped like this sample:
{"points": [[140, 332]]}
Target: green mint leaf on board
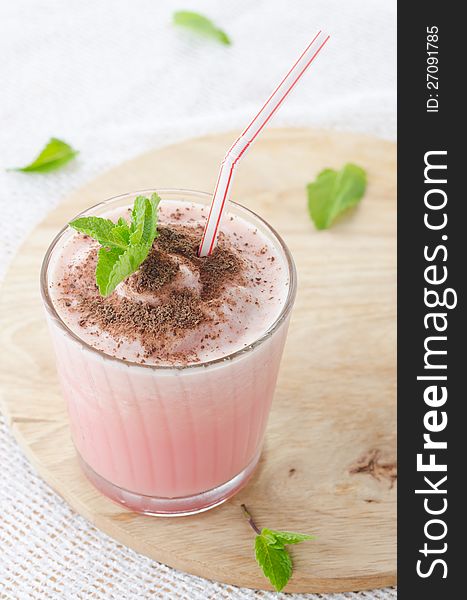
{"points": [[55, 154], [271, 554], [200, 24], [284, 538], [123, 247], [275, 562], [333, 192]]}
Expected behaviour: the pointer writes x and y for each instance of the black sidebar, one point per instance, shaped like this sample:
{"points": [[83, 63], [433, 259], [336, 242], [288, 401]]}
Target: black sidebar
{"points": [[432, 331]]}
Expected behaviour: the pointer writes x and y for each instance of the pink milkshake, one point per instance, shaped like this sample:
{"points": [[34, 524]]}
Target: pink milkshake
{"points": [[169, 380]]}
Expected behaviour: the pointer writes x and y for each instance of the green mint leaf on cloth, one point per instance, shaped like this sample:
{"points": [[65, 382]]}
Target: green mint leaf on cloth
{"points": [[200, 24], [271, 554], [333, 192], [123, 247], [55, 154]]}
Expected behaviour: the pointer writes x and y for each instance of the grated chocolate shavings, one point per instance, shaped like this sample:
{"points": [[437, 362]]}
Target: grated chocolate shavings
{"points": [[121, 316], [214, 270], [156, 271], [177, 242]]}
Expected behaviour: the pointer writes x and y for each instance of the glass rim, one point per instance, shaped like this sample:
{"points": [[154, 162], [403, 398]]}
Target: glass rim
{"points": [[287, 307]]}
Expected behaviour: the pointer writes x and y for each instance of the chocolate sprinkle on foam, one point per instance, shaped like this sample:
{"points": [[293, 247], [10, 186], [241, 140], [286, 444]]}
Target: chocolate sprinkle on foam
{"points": [[124, 317], [155, 272], [154, 305]]}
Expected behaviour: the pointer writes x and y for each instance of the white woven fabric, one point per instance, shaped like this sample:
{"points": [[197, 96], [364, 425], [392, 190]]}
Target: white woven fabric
{"points": [[114, 78]]}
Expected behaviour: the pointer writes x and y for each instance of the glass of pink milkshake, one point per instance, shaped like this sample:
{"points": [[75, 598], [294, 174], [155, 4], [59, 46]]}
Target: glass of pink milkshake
{"points": [[169, 380]]}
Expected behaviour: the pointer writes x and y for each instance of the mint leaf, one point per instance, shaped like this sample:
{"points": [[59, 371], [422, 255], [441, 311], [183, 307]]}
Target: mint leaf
{"points": [[102, 230], [115, 265], [143, 219], [138, 215], [123, 247], [333, 192], [200, 24], [55, 154], [270, 551], [275, 562], [280, 539], [121, 235], [150, 220], [107, 258]]}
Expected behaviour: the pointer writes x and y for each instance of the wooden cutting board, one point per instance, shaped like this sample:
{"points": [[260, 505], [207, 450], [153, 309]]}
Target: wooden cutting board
{"points": [[328, 466]]}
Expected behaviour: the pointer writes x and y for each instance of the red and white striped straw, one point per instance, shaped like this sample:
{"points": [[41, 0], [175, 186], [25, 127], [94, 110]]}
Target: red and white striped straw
{"points": [[240, 146]]}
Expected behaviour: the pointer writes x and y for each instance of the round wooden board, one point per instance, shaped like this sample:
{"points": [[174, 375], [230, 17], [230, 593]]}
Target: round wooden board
{"points": [[328, 465]]}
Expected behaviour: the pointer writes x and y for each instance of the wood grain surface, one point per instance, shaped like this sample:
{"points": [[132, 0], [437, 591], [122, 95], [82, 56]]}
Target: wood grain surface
{"points": [[328, 466]]}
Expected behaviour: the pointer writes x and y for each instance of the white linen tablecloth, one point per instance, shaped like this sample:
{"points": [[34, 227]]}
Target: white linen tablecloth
{"points": [[114, 78]]}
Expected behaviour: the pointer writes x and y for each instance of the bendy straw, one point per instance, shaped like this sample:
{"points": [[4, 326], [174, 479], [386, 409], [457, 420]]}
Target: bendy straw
{"points": [[247, 137]]}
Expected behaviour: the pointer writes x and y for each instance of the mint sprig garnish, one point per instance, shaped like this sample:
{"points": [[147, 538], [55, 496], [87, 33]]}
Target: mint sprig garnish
{"points": [[123, 247], [200, 24], [55, 154], [271, 553], [333, 192]]}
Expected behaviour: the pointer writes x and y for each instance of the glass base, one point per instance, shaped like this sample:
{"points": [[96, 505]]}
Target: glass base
{"points": [[170, 507]]}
